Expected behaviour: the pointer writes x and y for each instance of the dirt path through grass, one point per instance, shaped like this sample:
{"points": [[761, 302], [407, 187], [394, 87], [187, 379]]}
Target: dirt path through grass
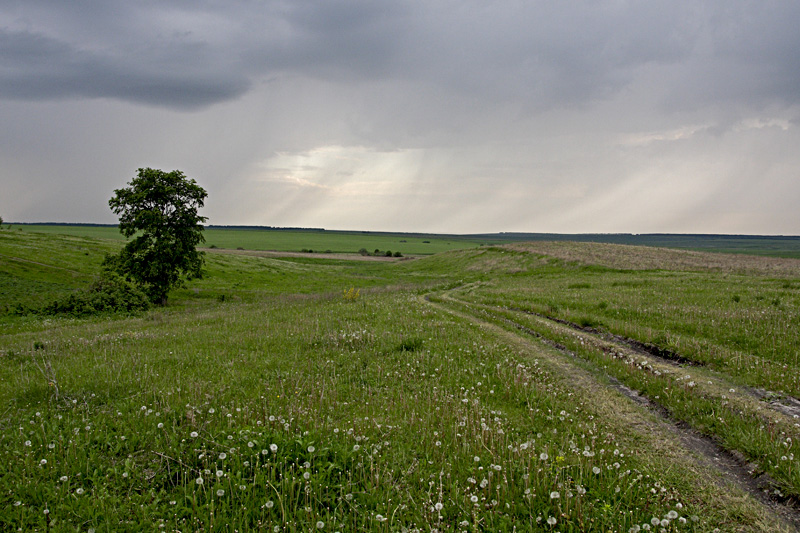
{"points": [[723, 478]]}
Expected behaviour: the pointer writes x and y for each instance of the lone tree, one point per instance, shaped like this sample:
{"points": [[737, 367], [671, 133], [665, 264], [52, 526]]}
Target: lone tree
{"points": [[160, 209]]}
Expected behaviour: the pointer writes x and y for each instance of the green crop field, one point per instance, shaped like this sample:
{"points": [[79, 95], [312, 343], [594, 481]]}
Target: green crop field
{"points": [[547, 386], [287, 240]]}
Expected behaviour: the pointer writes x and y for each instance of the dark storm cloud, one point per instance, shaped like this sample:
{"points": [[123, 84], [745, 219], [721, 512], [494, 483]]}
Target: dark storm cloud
{"points": [[193, 54], [36, 67]]}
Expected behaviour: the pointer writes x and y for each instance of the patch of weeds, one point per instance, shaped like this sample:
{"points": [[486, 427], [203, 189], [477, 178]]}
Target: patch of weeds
{"points": [[16, 357], [411, 344], [736, 298], [579, 286], [589, 322], [351, 294]]}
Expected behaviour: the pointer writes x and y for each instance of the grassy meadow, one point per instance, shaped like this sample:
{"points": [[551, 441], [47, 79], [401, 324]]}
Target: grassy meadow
{"points": [[523, 387]]}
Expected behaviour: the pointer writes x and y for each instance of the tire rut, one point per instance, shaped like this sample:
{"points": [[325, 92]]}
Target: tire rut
{"points": [[730, 466], [785, 404]]}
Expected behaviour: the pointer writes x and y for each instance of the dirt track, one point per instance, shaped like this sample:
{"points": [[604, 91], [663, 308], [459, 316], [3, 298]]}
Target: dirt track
{"points": [[699, 453]]}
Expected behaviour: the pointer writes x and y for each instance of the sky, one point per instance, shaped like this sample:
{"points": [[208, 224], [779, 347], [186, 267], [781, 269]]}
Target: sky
{"points": [[437, 116]]}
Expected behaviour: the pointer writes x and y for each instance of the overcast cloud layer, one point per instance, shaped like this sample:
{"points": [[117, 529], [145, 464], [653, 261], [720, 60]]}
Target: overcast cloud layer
{"points": [[435, 116]]}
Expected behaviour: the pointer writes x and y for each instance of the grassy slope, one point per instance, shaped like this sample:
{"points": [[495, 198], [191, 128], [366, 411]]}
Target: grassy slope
{"points": [[396, 406]]}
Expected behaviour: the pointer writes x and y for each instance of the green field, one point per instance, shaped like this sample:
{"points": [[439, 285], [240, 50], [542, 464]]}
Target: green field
{"points": [[318, 240], [547, 386], [287, 240]]}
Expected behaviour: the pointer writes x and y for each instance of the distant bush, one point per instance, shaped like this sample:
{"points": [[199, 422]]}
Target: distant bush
{"points": [[398, 254], [111, 293], [388, 253], [363, 251]]}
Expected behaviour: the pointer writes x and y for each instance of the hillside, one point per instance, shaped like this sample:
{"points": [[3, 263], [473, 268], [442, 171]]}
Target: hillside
{"points": [[574, 387]]}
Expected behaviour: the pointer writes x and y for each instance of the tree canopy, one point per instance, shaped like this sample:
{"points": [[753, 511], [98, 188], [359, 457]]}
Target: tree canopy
{"points": [[159, 209]]}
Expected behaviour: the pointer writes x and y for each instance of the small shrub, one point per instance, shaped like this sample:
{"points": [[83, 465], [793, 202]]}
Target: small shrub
{"points": [[363, 251], [388, 253], [352, 294], [398, 254], [110, 293]]}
